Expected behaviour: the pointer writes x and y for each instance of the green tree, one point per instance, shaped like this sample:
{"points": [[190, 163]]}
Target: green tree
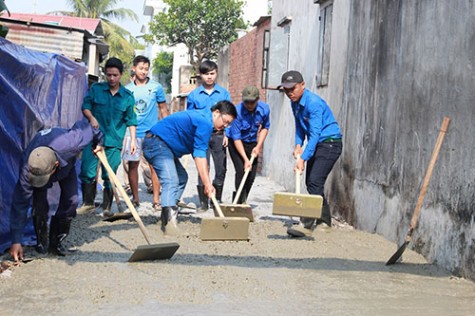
{"points": [[163, 68], [204, 26], [121, 42]]}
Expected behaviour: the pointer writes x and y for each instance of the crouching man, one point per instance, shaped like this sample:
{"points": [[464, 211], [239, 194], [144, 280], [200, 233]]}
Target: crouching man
{"points": [[50, 157]]}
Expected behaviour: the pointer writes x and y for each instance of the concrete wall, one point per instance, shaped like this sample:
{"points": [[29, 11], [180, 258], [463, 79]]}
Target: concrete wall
{"points": [[397, 68]]}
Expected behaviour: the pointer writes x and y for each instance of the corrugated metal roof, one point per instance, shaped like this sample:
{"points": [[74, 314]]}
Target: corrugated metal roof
{"points": [[93, 26], [59, 40]]}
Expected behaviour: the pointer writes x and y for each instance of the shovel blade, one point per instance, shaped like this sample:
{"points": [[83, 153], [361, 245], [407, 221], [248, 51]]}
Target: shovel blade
{"points": [[225, 228], [237, 210], [118, 216], [154, 252], [394, 258], [293, 204]]}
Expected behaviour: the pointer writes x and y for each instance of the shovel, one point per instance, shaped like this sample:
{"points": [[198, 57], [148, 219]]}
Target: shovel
{"points": [[143, 252], [296, 204], [239, 210], [224, 228], [425, 184]]}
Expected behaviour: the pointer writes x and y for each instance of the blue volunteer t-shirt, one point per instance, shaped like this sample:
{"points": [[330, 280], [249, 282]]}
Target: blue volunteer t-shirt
{"points": [[199, 99], [146, 99], [186, 132], [314, 121], [246, 126]]}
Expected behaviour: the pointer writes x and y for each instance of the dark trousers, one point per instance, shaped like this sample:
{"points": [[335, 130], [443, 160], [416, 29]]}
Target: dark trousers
{"points": [[238, 163], [218, 152], [318, 167], [68, 199]]}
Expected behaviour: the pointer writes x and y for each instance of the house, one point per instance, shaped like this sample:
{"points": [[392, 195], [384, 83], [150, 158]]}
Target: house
{"points": [[80, 39]]}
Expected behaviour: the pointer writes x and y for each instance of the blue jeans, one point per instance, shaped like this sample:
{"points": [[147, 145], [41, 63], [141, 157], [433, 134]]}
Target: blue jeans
{"points": [[170, 171]]}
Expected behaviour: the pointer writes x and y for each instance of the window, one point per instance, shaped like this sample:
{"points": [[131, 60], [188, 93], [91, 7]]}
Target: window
{"points": [[323, 66], [265, 60]]}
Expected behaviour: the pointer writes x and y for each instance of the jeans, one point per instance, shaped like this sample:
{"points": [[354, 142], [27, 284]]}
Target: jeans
{"points": [[170, 171], [218, 152], [318, 167]]}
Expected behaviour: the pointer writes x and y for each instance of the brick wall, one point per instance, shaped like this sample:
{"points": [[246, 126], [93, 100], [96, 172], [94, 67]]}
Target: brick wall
{"points": [[245, 62]]}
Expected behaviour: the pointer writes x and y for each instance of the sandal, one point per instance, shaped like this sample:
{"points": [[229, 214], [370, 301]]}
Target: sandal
{"points": [[157, 207]]}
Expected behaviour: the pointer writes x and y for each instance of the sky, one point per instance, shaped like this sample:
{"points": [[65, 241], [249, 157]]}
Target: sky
{"points": [[44, 6]]}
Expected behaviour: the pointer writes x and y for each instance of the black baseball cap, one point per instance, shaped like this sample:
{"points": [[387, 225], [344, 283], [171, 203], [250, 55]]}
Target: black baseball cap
{"points": [[290, 79]]}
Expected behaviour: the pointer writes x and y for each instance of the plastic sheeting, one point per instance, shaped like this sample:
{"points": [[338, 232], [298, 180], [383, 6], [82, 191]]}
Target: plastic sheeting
{"points": [[37, 90]]}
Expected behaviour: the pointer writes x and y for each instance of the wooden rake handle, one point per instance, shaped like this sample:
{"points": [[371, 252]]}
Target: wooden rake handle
{"points": [[425, 184], [244, 178], [115, 181]]}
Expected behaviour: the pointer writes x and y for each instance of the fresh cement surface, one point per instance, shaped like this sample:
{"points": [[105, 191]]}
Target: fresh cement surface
{"points": [[339, 271]]}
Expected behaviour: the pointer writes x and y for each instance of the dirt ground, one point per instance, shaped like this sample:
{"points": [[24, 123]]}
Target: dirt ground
{"points": [[340, 271]]}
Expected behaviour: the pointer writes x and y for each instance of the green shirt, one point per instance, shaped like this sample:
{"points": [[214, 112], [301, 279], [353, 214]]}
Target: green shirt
{"points": [[114, 113]]}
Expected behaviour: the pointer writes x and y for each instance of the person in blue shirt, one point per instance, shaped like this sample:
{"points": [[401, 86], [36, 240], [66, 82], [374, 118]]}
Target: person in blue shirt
{"points": [[49, 157], [183, 133], [203, 98], [315, 123], [246, 137], [150, 106]]}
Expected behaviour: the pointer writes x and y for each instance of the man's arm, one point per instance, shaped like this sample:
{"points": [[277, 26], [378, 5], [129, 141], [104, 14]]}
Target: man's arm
{"points": [[87, 105], [260, 142], [240, 149], [92, 120], [133, 135], [202, 166], [18, 215], [163, 110]]}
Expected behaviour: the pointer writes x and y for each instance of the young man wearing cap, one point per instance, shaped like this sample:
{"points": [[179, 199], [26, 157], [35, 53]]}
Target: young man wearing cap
{"points": [[315, 123], [50, 157], [203, 98], [183, 133], [110, 107], [150, 106], [247, 135]]}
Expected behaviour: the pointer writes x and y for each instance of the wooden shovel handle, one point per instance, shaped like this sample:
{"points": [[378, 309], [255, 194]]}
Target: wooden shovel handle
{"points": [[244, 178], [115, 181], [425, 184], [217, 206], [297, 178]]}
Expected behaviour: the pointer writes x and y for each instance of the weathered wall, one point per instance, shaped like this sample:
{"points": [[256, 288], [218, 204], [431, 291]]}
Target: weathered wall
{"points": [[293, 46], [397, 67]]}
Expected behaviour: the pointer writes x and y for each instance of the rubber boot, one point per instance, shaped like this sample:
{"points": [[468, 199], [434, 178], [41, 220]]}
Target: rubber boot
{"points": [[219, 193], [168, 219], [326, 216], [40, 223], [59, 230], [204, 201], [243, 198], [88, 197], [107, 198]]}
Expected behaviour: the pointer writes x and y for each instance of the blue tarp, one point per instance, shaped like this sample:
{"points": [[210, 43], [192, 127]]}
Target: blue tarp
{"points": [[37, 90]]}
